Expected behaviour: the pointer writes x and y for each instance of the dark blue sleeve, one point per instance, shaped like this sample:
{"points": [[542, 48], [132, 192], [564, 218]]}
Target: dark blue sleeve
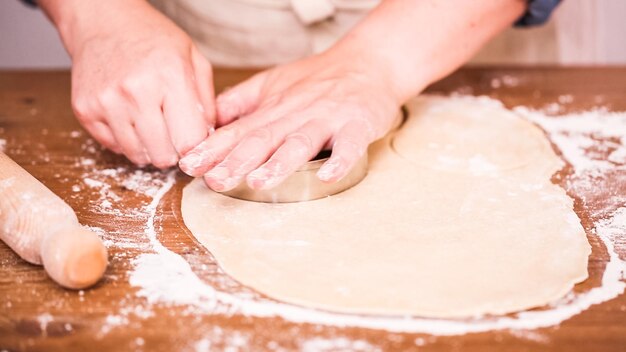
{"points": [[538, 12], [30, 2]]}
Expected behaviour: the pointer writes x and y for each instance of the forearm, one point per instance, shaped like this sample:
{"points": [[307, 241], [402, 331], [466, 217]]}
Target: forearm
{"points": [[415, 43], [79, 19]]}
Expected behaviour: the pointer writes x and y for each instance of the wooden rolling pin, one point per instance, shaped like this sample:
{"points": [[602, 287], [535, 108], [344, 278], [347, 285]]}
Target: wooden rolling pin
{"points": [[42, 229]]}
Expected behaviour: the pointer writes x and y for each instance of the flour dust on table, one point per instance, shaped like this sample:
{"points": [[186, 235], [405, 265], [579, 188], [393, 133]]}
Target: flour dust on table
{"points": [[456, 218]]}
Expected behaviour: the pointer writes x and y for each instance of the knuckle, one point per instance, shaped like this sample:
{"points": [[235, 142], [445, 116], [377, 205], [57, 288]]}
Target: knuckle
{"points": [[133, 85], [299, 140], [349, 147], [229, 132], [263, 134], [108, 97], [99, 136], [274, 99], [235, 160], [82, 107], [242, 161], [368, 122], [175, 68]]}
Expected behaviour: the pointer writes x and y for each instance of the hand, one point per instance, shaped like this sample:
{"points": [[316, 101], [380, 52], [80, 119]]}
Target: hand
{"points": [[139, 85], [281, 118]]}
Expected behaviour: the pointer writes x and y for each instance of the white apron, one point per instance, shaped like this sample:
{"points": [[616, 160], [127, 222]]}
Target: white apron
{"points": [[262, 33]]}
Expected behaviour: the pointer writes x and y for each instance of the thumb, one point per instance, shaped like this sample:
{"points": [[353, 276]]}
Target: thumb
{"points": [[239, 100], [204, 86]]}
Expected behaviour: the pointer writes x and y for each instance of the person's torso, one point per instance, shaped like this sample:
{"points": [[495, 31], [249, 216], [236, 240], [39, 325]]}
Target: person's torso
{"points": [[261, 33]]}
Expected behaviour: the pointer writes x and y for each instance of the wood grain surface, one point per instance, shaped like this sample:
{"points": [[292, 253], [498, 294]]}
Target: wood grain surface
{"points": [[41, 134]]}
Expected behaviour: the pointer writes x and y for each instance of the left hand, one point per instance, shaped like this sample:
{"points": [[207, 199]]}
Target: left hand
{"points": [[281, 118]]}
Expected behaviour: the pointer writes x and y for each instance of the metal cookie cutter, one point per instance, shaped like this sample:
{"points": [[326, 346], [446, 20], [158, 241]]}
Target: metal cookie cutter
{"points": [[303, 185]]}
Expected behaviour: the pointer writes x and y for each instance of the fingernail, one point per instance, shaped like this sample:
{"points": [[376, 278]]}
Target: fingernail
{"points": [[223, 185], [173, 161], [329, 170], [258, 178], [219, 179], [271, 183], [230, 183], [190, 163], [143, 161], [215, 185]]}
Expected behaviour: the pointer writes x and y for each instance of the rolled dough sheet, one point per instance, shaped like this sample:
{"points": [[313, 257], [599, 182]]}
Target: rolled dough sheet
{"points": [[457, 217]]}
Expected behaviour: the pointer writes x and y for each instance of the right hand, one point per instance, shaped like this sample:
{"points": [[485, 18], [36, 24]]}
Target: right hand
{"points": [[139, 84]]}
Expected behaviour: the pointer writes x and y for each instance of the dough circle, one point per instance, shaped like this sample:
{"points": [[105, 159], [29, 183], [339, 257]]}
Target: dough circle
{"points": [[476, 143], [413, 239]]}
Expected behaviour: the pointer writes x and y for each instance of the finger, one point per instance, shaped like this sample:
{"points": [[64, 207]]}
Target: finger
{"points": [[204, 86], [152, 132], [103, 134], [184, 113], [297, 149], [130, 144], [253, 151], [239, 100], [255, 148], [348, 147], [120, 121], [217, 146], [212, 150]]}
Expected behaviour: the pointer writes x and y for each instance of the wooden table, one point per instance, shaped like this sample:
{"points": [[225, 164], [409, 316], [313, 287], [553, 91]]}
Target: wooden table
{"points": [[42, 135]]}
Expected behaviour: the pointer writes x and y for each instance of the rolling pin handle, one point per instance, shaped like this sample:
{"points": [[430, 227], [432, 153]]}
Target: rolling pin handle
{"points": [[74, 257], [42, 229]]}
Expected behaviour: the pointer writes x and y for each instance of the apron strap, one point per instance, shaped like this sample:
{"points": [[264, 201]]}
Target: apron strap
{"points": [[311, 11]]}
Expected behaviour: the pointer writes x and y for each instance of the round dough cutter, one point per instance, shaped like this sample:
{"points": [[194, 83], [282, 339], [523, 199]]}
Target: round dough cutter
{"points": [[304, 185]]}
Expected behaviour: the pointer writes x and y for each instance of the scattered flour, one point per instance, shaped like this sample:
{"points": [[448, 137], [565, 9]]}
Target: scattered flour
{"points": [[113, 321], [504, 81], [218, 339], [585, 138], [530, 335], [565, 99], [44, 320], [336, 344], [94, 183], [110, 183]]}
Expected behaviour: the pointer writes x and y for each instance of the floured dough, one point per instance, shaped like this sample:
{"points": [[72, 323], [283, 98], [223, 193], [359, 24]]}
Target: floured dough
{"points": [[457, 217], [475, 142]]}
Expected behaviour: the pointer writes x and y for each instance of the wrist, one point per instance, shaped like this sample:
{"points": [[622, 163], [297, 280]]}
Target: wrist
{"points": [[78, 20], [402, 77]]}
